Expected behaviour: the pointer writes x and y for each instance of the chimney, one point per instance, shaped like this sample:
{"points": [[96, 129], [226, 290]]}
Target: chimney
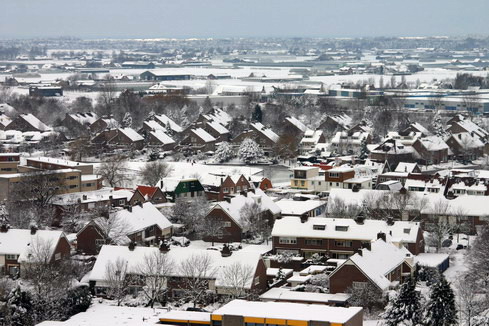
{"points": [[161, 184], [360, 252], [33, 229], [367, 245], [164, 246], [360, 219], [390, 221], [111, 197], [226, 251], [132, 245], [222, 180], [381, 235], [304, 218], [84, 197], [227, 199]]}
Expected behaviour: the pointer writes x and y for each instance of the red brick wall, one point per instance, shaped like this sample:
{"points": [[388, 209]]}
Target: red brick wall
{"points": [[230, 234], [344, 277], [85, 240]]}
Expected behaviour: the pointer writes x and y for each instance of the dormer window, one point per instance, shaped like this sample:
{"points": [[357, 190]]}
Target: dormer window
{"points": [[341, 228], [407, 231], [320, 227]]}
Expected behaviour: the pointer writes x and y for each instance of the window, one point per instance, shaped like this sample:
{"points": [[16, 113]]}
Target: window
{"points": [[302, 183], [99, 242], [57, 256], [321, 227], [227, 224], [238, 188], [343, 243], [257, 280], [11, 257], [407, 231], [225, 190], [314, 242], [121, 201], [287, 240], [73, 186], [334, 175], [359, 285], [341, 228], [296, 182]]}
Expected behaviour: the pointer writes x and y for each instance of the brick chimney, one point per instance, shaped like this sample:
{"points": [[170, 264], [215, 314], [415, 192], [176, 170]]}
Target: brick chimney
{"points": [[226, 251], [381, 235], [4, 228], [33, 229], [132, 245], [164, 246]]}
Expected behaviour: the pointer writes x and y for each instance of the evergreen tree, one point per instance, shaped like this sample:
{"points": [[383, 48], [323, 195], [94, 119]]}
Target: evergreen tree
{"points": [[364, 149], [257, 115], [249, 151], [405, 308], [437, 127], [224, 152], [441, 309], [127, 120]]}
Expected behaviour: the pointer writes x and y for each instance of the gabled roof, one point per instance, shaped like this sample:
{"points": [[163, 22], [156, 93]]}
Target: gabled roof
{"points": [[204, 135], [143, 217], [34, 122], [377, 262], [19, 242], [433, 143], [162, 137], [177, 255], [165, 121], [147, 191], [84, 118], [218, 127], [406, 167], [233, 208], [131, 134], [294, 121], [267, 132]]}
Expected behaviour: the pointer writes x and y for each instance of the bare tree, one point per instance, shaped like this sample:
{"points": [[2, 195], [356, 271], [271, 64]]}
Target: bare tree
{"points": [[113, 228], [211, 227], [237, 278], [190, 213], [439, 227], [469, 304], [154, 270], [255, 220], [117, 279], [112, 170], [368, 296], [153, 172], [196, 272]]}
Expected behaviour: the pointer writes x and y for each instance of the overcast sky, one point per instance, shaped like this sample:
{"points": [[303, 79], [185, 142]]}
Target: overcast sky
{"points": [[241, 18]]}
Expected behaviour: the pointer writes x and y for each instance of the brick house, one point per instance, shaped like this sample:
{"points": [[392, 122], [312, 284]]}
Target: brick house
{"points": [[431, 150], [335, 122], [27, 122], [340, 238], [152, 194], [79, 123], [102, 124], [216, 281], [229, 214], [217, 187], [262, 183], [465, 146], [143, 224], [199, 140], [127, 137], [263, 136], [392, 151], [383, 265], [161, 140], [15, 247]]}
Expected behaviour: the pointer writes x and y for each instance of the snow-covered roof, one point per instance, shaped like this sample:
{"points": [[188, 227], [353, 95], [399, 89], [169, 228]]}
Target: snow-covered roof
{"points": [[380, 260], [466, 140], [84, 118], [218, 127], [433, 143], [4, 107], [294, 121], [284, 294], [219, 116], [142, 217], [343, 137], [470, 127], [204, 135], [406, 167], [111, 123], [392, 146], [267, 132], [311, 136], [171, 183], [299, 207], [35, 122], [430, 259], [131, 134], [177, 255], [4, 119], [465, 204], [288, 311], [153, 125], [20, 241], [342, 119], [233, 208], [291, 226], [52, 160], [420, 128], [162, 137], [165, 120], [91, 196]]}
